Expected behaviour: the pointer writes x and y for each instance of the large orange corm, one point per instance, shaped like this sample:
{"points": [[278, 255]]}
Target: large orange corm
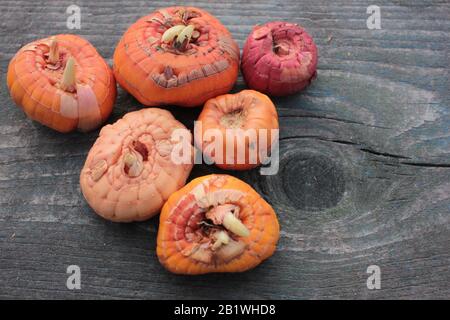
{"points": [[216, 223], [63, 83], [177, 55]]}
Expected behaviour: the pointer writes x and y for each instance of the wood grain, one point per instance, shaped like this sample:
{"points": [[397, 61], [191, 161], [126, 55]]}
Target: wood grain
{"points": [[364, 171]]}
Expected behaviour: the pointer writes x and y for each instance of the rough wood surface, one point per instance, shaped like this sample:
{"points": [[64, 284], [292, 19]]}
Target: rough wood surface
{"points": [[364, 176]]}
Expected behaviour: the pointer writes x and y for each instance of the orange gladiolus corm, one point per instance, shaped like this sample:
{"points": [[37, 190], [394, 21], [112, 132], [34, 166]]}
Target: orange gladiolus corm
{"points": [[178, 55], [216, 223], [247, 125], [63, 83]]}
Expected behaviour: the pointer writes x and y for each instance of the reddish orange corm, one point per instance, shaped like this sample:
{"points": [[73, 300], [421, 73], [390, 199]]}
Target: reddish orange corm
{"points": [[238, 130], [216, 223], [178, 55]]}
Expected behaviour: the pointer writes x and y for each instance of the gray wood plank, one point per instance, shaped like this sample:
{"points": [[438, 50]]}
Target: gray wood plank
{"points": [[364, 171]]}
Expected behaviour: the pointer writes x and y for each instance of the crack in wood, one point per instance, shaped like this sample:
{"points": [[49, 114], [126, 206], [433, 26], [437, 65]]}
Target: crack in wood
{"points": [[333, 119]]}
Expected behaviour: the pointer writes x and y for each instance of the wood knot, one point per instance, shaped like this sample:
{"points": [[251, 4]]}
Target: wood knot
{"points": [[312, 182]]}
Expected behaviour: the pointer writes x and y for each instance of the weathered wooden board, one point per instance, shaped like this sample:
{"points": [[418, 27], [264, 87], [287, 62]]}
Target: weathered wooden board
{"points": [[364, 175]]}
